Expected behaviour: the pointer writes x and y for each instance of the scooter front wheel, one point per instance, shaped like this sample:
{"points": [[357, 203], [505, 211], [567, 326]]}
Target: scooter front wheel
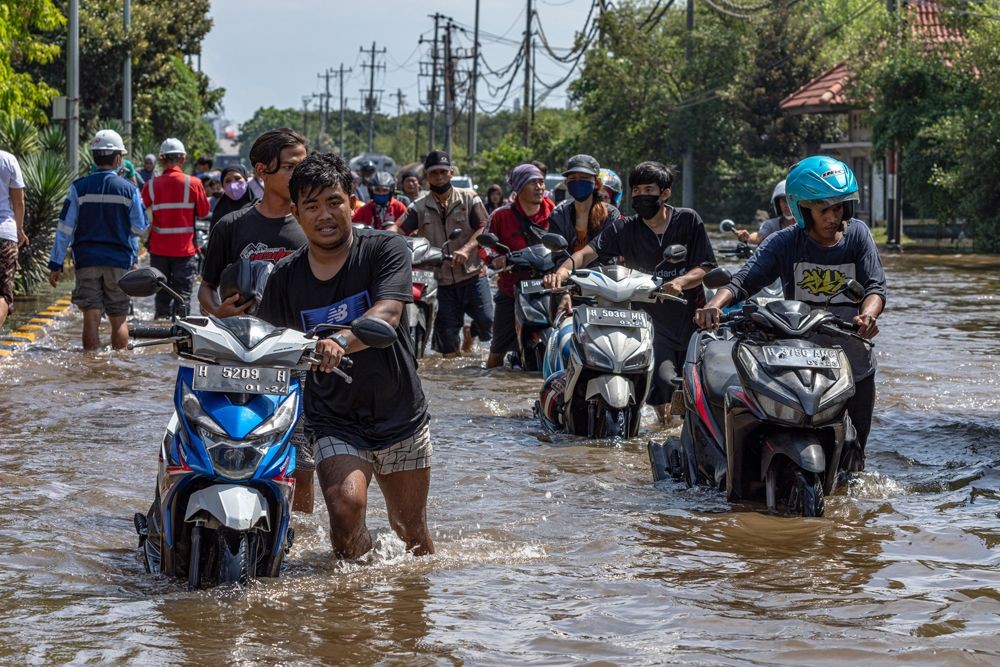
{"points": [[236, 563], [194, 565], [801, 491]]}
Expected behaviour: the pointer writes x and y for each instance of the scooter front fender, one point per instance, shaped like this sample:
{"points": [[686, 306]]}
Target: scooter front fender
{"points": [[233, 506], [616, 390], [803, 448]]}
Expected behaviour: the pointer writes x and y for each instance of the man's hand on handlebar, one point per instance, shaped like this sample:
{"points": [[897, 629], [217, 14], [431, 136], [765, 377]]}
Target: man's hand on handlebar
{"points": [[556, 278], [708, 318], [742, 235], [459, 256], [228, 308], [867, 325], [330, 352], [672, 288]]}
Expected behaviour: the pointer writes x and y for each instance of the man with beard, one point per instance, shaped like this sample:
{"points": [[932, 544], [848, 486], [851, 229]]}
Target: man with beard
{"points": [[378, 425]]}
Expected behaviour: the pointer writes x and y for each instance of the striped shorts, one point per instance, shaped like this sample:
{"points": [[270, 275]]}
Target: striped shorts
{"points": [[411, 453]]}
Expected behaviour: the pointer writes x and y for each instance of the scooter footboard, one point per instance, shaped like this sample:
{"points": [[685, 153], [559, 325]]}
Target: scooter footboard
{"points": [[617, 391], [231, 505]]}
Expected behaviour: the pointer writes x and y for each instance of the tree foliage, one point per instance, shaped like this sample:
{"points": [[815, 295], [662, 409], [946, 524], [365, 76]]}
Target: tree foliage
{"points": [[22, 45]]}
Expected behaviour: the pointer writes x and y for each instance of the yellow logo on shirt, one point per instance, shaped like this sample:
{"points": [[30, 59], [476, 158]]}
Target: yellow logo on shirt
{"points": [[822, 282]]}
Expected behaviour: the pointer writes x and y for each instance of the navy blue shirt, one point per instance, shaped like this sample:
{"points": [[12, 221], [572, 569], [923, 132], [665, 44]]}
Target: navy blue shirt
{"points": [[812, 273]]}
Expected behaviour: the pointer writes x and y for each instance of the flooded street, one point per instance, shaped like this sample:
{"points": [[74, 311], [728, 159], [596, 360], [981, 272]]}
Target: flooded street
{"points": [[557, 552]]}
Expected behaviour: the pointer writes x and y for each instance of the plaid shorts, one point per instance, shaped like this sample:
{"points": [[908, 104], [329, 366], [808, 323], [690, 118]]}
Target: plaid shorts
{"points": [[8, 267], [411, 453]]}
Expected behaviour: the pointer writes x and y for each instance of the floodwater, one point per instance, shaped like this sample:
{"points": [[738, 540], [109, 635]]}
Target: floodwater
{"points": [[557, 552]]}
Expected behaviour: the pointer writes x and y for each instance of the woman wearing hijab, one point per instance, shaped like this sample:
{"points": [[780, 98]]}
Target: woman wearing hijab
{"points": [[235, 193]]}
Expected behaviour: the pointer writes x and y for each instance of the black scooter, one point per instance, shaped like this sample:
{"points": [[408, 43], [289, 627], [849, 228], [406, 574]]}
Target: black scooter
{"points": [[533, 304], [765, 407]]}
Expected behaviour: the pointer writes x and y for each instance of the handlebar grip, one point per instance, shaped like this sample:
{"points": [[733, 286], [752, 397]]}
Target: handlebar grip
{"points": [[845, 325], [150, 332], [345, 362]]}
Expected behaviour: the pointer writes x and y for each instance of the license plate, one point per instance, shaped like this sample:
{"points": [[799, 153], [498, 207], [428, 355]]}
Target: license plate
{"points": [[422, 277], [533, 286], [241, 379], [801, 357], [614, 317]]}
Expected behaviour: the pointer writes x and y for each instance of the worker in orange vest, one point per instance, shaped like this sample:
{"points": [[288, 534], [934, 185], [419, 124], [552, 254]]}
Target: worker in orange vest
{"points": [[174, 199]]}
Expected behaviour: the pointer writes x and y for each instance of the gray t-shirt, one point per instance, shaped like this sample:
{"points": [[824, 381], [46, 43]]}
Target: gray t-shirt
{"points": [[769, 226], [10, 179]]}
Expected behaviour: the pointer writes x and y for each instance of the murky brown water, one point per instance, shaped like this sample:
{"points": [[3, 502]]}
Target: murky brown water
{"points": [[549, 553]]}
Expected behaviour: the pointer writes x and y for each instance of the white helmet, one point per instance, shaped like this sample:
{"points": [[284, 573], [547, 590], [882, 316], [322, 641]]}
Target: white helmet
{"points": [[776, 194], [172, 146], [107, 141]]}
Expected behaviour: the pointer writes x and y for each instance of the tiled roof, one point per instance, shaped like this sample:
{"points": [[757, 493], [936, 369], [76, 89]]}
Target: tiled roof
{"points": [[826, 93]]}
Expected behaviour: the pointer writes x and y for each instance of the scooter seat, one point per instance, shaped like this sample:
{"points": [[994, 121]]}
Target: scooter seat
{"points": [[719, 370]]}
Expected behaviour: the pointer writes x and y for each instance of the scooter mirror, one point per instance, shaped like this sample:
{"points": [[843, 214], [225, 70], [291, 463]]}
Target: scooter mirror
{"points": [[358, 225], [142, 282], [455, 233], [374, 332], [487, 240], [675, 254], [554, 242], [716, 278], [853, 290], [727, 226]]}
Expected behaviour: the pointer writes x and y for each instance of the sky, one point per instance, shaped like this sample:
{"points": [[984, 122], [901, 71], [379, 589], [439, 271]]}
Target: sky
{"points": [[267, 53]]}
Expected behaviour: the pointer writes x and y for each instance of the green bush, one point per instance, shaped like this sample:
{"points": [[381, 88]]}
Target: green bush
{"points": [[46, 182]]}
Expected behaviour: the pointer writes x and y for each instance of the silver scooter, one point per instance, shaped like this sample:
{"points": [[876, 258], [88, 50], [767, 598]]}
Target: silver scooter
{"points": [[602, 388]]}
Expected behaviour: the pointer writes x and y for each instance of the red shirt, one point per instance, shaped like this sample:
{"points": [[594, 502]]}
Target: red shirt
{"points": [[394, 212], [175, 199], [507, 228]]}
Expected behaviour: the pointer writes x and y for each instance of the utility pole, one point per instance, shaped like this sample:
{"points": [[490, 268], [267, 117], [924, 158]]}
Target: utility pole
{"points": [[472, 92], [306, 99], [370, 100], [449, 90], [341, 72], [324, 106], [526, 138], [73, 88], [687, 193], [127, 79], [431, 129], [893, 213], [400, 97]]}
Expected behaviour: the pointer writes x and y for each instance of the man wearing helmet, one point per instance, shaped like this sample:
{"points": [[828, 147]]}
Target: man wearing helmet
{"points": [[102, 218], [826, 247], [611, 191], [383, 211], [367, 171], [174, 200], [782, 218]]}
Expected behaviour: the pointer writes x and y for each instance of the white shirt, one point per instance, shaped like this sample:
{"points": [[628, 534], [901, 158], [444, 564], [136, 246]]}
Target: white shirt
{"points": [[10, 179]]}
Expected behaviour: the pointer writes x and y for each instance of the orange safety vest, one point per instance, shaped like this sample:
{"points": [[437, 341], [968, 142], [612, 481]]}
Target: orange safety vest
{"points": [[172, 229]]}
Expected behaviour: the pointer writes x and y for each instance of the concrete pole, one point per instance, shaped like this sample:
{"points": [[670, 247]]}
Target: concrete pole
{"points": [[127, 80], [526, 138], [73, 87], [687, 194], [472, 92]]}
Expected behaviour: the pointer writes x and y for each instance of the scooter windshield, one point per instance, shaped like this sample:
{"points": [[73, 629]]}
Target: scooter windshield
{"points": [[249, 331]]}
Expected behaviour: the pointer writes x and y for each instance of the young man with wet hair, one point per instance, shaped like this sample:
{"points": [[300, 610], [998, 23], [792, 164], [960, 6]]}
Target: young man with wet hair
{"points": [[376, 426], [640, 240]]}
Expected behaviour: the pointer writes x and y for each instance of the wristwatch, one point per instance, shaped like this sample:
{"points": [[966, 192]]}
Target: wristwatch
{"points": [[341, 340]]}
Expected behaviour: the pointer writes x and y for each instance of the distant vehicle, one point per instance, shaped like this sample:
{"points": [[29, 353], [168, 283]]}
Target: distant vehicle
{"points": [[382, 162], [463, 181], [556, 184], [223, 160]]}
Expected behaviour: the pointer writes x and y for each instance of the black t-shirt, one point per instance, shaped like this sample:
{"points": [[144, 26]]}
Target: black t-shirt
{"points": [[642, 249], [247, 233], [385, 403]]}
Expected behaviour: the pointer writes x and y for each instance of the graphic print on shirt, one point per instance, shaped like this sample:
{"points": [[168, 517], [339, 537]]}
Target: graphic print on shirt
{"points": [[265, 252], [815, 283], [340, 312]]}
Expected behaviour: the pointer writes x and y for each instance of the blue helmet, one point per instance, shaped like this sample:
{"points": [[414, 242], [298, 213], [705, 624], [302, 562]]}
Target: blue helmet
{"points": [[823, 179], [612, 183]]}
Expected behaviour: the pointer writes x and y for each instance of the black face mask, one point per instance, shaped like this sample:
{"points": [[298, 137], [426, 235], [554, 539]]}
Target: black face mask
{"points": [[647, 206], [441, 189]]}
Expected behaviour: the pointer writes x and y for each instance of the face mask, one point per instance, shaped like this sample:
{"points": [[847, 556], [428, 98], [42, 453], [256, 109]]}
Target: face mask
{"points": [[441, 189], [381, 200], [235, 189], [580, 190], [647, 206]]}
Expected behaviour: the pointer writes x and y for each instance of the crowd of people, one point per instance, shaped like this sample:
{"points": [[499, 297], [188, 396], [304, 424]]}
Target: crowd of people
{"points": [[303, 216]]}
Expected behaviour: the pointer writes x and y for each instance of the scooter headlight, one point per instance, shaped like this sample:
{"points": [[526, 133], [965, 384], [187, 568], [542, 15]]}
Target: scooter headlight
{"points": [[235, 459], [280, 421], [775, 409], [592, 355], [195, 415]]}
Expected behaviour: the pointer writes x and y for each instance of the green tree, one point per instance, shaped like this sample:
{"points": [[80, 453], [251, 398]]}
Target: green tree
{"points": [[22, 44]]}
